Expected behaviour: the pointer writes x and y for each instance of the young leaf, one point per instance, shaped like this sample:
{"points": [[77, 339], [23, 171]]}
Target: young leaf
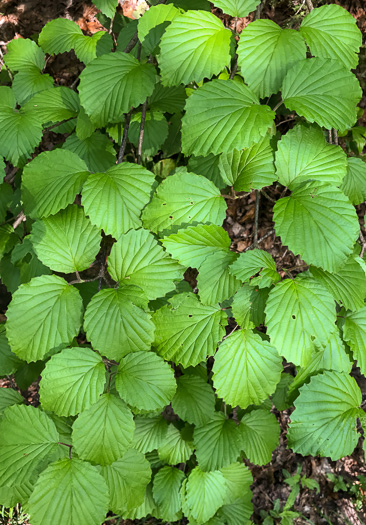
{"points": [[252, 262], [172, 205], [215, 281], [236, 123], [324, 420], [326, 225], [23, 54], [194, 400], [187, 331], [354, 183], [246, 369], [72, 381], [239, 8], [150, 433], [194, 46], [265, 54], [96, 151], [54, 105], [331, 32], [205, 493], [166, 491], [114, 200], [34, 324], [354, 332], [138, 259], [69, 490], [322, 91], [116, 322], [111, 424], [260, 434], [174, 448]]}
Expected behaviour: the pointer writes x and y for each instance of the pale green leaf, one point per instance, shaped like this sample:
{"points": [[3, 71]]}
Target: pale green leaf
{"points": [[111, 424], [116, 322], [194, 46], [187, 331], [205, 493], [10, 496], [354, 332], [175, 449], [9, 362], [96, 151], [238, 480], [298, 313], [156, 131], [208, 167], [246, 369], [71, 491], [36, 320], [194, 400], [239, 511], [215, 282], [265, 54], [239, 8], [260, 434], [303, 154], [28, 83], [250, 263], [114, 200], [150, 433], [154, 17], [108, 7], [325, 228], [147, 507], [59, 36], [72, 381], [145, 381], [248, 305], [8, 398], [354, 183], [331, 32], [54, 105], [236, 123], [23, 54], [166, 492], [324, 420], [51, 181], [87, 48], [138, 259], [322, 91], [167, 99]]}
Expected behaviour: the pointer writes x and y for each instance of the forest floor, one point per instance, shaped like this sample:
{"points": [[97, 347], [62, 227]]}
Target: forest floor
{"points": [[342, 500]]}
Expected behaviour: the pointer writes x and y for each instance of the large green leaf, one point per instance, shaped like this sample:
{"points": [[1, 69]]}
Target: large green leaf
{"points": [[324, 420], [66, 242], [236, 123], [237, 8], [194, 400], [51, 182], [111, 424], [299, 312], [175, 449], [238, 480], [59, 35], [112, 84], [194, 46], [205, 493], [23, 54], [252, 262], [322, 91], [265, 54], [145, 381], [354, 183], [72, 381], [166, 491], [54, 105], [354, 332], [260, 434], [153, 18], [187, 331], [127, 479], [173, 205], [36, 316], [96, 151], [303, 154], [28, 439], [138, 259], [325, 228], [72, 491], [116, 322], [114, 200], [215, 282], [331, 32], [246, 369], [150, 433]]}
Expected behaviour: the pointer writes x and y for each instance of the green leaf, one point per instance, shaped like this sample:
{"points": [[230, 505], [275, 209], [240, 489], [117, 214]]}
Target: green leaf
{"points": [[354, 183], [260, 434], [239, 510], [331, 32], [248, 305], [187, 331], [66, 242], [114, 200], [208, 167], [111, 424], [145, 381], [59, 36], [155, 132], [23, 453], [167, 99], [72, 381], [236, 123], [246, 369], [166, 491], [239, 8], [303, 154], [322, 91], [205, 493], [298, 313], [147, 507], [325, 228], [155, 17], [87, 48], [9, 362], [324, 420], [69, 490], [194, 400], [116, 322], [150, 433], [217, 442], [250, 168], [54, 105], [265, 54], [22, 54], [348, 285], [8, 398], [238, 480], [127, 479], [191, 4], [112, 84], [174, 448], [6, 197], [354, 332], [108, 7], [172, 205], [193, 245], [194, 46], [215, 282], [34, 324], [51, 181], [138, 259], [96, 151], [252, 262], [28, 83]]}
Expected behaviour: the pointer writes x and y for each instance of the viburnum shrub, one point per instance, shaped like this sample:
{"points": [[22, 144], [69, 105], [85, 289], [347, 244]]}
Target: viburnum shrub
{"points": [[152, 389]]}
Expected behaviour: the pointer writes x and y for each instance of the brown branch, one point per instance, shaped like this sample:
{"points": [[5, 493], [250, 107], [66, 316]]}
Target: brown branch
{"points": [[265, 194], [142, 131], [256, 217], [235, 197], [124, 136], [235, 67], [58, 124], [132, 43], [271, 232]]}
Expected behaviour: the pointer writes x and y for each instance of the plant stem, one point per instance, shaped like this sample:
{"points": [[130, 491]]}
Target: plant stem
{"points": [[271, 232], [278, 105], [309, 4], [265, 194], [124, 136], [142, 130], [256, 217], [66, 445], [131, 43]]}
